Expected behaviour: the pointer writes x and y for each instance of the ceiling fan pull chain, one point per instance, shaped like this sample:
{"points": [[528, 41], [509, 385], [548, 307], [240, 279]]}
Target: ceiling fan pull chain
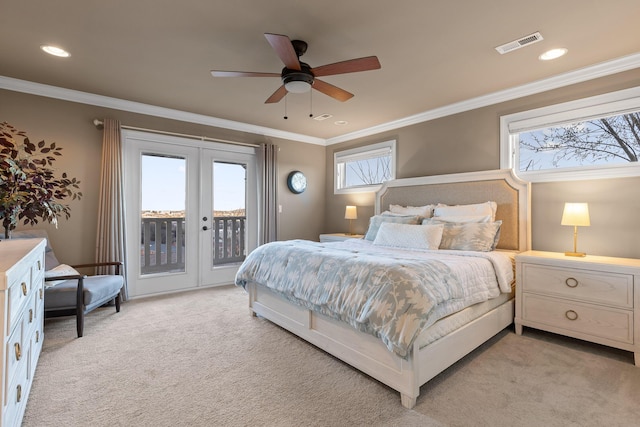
{"points": [[285, 109], [310, 103]]}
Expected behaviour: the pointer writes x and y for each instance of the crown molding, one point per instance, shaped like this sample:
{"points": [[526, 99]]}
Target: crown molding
{"points": [[49, 91], [591, 72]]}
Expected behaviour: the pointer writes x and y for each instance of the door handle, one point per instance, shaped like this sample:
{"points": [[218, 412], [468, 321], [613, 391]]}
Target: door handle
{"points": [[205, 228]]}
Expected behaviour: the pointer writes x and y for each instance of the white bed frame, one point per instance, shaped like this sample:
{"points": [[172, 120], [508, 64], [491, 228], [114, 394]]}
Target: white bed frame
{"points": [[368, 354]]}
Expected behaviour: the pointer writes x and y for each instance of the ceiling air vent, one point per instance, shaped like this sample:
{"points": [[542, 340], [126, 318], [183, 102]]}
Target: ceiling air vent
{"points": [[521, 42], [322, 117]]}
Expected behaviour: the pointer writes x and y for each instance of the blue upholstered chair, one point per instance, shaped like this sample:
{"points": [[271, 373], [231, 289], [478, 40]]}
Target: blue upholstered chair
{"points": [[75, 294]]}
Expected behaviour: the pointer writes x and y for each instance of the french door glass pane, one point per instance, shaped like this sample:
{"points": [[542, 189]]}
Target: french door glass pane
{"points": [[163, 189], [229, 215]]}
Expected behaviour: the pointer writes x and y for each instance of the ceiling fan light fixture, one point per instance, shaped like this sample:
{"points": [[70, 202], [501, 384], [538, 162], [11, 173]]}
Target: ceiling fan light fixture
{"points": [[297, 86], [297, 81]]}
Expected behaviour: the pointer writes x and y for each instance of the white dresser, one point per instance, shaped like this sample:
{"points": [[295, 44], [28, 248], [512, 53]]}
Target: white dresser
{"points": [[22, 302], [593, 298]]}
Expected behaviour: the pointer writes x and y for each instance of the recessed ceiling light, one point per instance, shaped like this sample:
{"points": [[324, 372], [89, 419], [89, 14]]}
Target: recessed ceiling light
{"points": [[55, 51], [341, 122], [553, 54]]}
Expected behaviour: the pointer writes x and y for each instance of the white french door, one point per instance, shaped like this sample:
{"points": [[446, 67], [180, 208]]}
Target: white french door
{"points": [[227, 221], [191, 211]]}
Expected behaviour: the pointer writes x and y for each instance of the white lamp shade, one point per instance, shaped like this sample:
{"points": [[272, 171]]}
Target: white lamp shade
{"points": [[351, 212], [576, 214]]}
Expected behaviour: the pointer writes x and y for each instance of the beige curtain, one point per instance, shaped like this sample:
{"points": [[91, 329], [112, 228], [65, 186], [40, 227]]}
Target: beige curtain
{"points": [[268, 223], [110, 238]]}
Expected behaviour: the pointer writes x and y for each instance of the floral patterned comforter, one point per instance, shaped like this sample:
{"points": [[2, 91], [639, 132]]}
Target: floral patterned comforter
{"points": [[390, 293]]}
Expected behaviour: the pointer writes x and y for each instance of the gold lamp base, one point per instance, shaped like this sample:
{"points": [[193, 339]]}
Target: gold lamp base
{"points": [[575, 245], [575, 254]]}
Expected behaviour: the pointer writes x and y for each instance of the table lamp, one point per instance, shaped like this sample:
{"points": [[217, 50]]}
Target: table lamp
{"points": [[351, 213], [576, 214]]}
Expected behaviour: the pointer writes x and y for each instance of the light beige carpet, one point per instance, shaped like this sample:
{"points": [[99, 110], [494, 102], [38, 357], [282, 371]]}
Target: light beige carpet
{"points": [[198, 359]]}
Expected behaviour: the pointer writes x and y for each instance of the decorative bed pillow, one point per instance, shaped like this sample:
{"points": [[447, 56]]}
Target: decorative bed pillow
{"points": [[474, 236], [476, 209], [462, 219], [410, 236], [57, 271], [375, 221], [425, 211]]}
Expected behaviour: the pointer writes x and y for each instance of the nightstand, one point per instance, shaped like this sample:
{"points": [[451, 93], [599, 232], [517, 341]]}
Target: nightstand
{"points": [[593, 298], [338, 237]]}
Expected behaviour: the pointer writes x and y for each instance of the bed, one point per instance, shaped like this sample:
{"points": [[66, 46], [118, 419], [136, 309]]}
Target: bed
{"points": [[437, 345]]}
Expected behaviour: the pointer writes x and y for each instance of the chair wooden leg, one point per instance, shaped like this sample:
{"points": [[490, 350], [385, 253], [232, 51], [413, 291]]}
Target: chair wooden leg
{"points": [[117, 303], [80, 323]]}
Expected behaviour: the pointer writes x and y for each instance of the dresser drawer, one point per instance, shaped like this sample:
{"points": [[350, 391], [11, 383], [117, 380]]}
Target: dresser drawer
{"points": [[14, 351], [597, 321], [582, 285], [16, 397], [17, 295]]}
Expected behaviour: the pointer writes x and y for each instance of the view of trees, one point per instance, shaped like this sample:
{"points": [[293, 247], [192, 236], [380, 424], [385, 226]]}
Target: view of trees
{"points": [[369, 172], [608, 140]]}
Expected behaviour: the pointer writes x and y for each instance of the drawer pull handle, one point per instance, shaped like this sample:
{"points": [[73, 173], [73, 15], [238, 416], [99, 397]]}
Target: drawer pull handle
{"points": [[571, 315], [24, 288], [30, 315], [571, 282], [40, 293], [37, 336], [39, 265], [18, 351], [19, 393]]}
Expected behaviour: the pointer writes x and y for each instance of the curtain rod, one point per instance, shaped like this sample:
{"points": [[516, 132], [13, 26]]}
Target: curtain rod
{"points": [[100, 124]]}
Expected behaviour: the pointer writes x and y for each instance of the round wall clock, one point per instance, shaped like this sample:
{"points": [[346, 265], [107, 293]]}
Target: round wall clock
{"points": [[297, 182]]}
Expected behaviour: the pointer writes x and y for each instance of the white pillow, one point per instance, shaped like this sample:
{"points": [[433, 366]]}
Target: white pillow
{"points": [[476, 209], [425, 211], [409, 236], [60, 270]]}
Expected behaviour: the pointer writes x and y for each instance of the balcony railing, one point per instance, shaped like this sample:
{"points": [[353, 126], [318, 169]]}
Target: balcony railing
{"points": [[229, 235], [163, 243]]}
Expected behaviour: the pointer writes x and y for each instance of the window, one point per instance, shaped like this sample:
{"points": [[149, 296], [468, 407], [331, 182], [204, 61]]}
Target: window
{"points": [[597, 137], [364, 168]]}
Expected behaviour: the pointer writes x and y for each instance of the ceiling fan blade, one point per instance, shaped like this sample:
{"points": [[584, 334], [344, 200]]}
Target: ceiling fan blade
{"points": [[277, 95], [331, 90], [283, 47], [217, 73], [349, 66]]}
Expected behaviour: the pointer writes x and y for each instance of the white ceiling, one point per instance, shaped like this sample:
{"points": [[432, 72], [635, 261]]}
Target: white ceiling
{"points": [[433, 53]]}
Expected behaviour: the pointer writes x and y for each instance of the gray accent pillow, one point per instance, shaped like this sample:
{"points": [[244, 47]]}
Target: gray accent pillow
{"points": [[375, 221], [475, 236], [50, 260]]}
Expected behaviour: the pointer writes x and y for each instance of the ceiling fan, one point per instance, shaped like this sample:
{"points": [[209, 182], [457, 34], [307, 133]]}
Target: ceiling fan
{"points": [[299, 77]]}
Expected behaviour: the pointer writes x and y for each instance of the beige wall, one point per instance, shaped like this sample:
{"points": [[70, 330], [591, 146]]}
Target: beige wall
{"points": [[463, 142], [470, 141], [70, 125]]}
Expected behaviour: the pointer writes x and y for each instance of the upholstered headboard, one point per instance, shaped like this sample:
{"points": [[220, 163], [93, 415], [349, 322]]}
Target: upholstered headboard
{"points": [[511, 194]]}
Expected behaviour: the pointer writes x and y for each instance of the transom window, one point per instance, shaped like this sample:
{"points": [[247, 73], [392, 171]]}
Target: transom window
{"points": [[364, 168], [597, 137]]}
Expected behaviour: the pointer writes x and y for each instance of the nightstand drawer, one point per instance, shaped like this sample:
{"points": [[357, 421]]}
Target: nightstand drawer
{"points": [[584, 285], [597, 321]]}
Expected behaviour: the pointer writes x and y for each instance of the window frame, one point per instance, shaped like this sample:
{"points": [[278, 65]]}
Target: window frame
{"points": [[613, 103], [361, 153]]}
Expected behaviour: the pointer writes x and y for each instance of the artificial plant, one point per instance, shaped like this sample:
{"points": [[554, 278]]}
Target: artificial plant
{"points": [[29, 188]]}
